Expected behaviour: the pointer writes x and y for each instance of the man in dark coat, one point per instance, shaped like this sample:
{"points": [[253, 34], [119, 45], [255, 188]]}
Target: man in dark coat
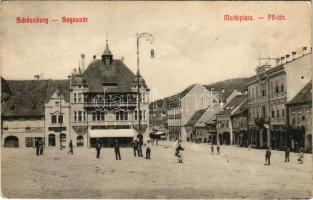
{"points": [[148, 150], [37, 146], [98, 148], [212, 149], [117, 150], [218, 149], [71, 148], [287, 152], [135, 147], [140, 142], [40, 147], [268, 156]]}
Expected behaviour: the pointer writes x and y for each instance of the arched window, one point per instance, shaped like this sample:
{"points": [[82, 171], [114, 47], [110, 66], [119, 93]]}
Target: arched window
{"points": [[80, 141], [11, 141], [51, 140], [62, 137]]}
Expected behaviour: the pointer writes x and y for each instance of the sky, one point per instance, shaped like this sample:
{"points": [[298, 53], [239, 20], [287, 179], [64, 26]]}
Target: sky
{"points": [[192, 42]]}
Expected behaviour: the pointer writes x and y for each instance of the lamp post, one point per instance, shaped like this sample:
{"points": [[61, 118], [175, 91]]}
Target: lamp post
{"points": [[149, 38]]}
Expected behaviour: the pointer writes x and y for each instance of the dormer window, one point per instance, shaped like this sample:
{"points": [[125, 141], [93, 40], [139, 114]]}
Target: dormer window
{"points": [[57, 104]]}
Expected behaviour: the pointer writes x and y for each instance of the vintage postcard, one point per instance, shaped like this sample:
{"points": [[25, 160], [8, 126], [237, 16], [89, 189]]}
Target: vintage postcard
{"points": [[156, 100]]}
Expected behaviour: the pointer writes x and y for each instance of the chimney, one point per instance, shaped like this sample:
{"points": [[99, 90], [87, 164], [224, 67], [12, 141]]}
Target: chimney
{"points": [[304, 49], [294, 54], [94, 57], [36, 77], [82, 62], [282, 60], [288, 58]]}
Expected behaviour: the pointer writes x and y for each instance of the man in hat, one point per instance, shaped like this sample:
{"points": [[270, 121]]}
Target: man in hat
{"points": [[98, 148], [117, 150]]}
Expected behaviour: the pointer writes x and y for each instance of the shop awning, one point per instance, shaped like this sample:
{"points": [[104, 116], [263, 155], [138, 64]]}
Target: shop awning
{"points": [[99, 133], [159, 133]]}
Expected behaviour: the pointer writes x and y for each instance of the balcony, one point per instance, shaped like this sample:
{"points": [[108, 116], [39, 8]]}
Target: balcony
{"points": [[111, 106]]}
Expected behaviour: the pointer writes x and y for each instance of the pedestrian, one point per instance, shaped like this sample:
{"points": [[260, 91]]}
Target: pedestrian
{"points": [[140, 143], [135, 147], [148, 150], [268, 156], [287, 152], [178, 152], [300, 156], [37, 146], [117, 150], [71, 147], [40, 147], [218, 149], [212, 149], [98, 149], [249, 147]]}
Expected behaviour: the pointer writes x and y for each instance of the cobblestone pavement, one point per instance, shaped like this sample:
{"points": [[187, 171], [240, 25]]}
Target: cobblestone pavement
{"points": [[235, 173]]}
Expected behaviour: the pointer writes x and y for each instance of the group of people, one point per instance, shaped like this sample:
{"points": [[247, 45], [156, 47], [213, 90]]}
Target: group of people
{"points": [[116, 146], [287, 156], [136, 144]]}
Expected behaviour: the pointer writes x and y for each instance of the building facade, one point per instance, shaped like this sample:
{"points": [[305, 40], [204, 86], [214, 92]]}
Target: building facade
{"points": [[224, 126], [268, 92], [240, 126], [182, 106], [299, 132], [96, 104]]}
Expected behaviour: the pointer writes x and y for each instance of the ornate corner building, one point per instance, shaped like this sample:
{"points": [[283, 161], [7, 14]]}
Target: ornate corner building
{"points": [[99, 102]]}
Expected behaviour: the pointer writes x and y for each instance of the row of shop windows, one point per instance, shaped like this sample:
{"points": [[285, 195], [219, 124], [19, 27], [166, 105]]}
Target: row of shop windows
{"points": [[13, 141]]}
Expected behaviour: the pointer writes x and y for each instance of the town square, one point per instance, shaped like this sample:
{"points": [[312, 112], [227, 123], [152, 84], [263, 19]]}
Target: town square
{"points": [[187, 104], [235, 173]]}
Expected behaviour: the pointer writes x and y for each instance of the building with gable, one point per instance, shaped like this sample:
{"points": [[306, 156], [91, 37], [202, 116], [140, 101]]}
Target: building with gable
{"points": [[99, 103], [299, 132], [224, 126], [269, 91], [182, 106]]}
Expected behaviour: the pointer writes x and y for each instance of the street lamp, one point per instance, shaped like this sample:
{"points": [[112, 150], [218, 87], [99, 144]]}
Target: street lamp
{"points": [[149, 38]]}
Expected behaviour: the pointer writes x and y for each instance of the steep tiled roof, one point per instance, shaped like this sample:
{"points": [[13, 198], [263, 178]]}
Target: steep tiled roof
{"points": [[304, 96], [195, 117], [5, 91], [29, 96], [5, 86], [208, 116], [117, 72], [233, 104], [172, 101], [242, 108]]}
